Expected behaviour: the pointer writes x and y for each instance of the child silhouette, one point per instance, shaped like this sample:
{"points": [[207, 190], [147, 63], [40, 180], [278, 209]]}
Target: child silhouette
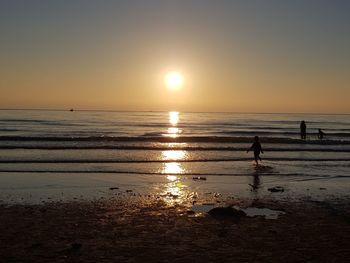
{"points": [[256, 147]]}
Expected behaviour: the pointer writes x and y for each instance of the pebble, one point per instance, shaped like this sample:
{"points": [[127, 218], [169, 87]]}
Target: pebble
{"points": [[276, 189], [199, 178]]}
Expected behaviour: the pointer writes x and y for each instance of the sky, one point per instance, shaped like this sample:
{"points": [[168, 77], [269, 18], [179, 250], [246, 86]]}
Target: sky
{"points": [[235, 56]]}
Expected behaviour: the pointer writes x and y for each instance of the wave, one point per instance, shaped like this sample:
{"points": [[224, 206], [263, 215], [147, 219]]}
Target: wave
{"points": [[297, 123], [24, 120], [8, 130], [39, 122], [180, 139], [237, 159], [252, 133], [160, 148], [264, 174], [127, 172]]}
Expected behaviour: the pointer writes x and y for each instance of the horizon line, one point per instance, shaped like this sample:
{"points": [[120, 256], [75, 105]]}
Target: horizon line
{"points": [[227, 112]]}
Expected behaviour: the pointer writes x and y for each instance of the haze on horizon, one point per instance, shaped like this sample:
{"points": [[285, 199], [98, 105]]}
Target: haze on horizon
{"points": [[248, 56]]}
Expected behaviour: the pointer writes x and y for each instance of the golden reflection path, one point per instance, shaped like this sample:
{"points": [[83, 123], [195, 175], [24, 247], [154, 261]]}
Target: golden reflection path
{"points": [[173, 167], [174, 117], [173, 190], [173, 131], [174, 155]]}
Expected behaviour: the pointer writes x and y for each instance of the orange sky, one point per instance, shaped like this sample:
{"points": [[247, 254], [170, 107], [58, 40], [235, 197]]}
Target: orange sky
{"points": [[237, 57]]}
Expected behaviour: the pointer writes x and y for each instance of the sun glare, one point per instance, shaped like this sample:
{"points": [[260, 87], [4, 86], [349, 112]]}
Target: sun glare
{"points": [[173, 117], [174, 80]]}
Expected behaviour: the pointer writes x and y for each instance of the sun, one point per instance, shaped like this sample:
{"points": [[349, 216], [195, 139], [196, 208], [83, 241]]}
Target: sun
{"points": [[174, 80]]}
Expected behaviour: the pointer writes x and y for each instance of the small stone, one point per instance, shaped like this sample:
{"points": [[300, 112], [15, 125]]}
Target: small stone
{"points": [[276, 189], [199, 178], [113, 188]]}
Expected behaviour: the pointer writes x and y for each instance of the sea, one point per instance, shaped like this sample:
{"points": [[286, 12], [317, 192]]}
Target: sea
{"points": [[72, 154]]}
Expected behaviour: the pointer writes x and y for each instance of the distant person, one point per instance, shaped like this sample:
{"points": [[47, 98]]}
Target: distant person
{"points": [[320, 134], [256, 147], [303, 130]]}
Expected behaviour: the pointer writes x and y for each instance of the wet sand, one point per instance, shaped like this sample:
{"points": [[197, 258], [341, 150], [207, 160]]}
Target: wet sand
{"points": [[132, 229]]}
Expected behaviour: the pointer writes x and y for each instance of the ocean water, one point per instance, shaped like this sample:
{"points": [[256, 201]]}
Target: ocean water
{"points": [[57, 150]]}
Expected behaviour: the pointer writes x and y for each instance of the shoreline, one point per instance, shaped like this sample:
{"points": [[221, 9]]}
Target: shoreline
{"points": [[36, 188], [132, 229]]}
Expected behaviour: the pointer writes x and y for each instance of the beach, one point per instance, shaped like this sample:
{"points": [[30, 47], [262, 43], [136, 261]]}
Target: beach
{"points": [[130, 229], [175, 131], [140, 187]]}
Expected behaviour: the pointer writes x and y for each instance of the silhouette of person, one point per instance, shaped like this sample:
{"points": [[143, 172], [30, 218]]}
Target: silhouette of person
{"points": [[320, 134], [257, 149], [303, 130]]}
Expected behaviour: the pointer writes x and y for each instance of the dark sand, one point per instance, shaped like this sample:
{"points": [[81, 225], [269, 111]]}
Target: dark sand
{"points": [[133, 230]]}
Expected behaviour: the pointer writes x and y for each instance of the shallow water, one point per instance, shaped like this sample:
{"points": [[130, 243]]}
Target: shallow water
{"points": [[265, 212], [82, 153]]}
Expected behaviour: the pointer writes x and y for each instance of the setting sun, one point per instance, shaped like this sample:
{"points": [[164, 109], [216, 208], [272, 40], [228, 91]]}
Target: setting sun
{"points": [[174, 80]]}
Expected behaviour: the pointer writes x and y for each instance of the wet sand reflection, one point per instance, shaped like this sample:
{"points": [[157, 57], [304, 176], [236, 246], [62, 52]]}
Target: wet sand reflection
{"points": [[174, 189]]}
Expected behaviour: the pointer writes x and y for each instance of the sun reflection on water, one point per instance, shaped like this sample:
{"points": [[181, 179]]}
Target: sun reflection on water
{"points": [[173, 132], [173, 120], [173, 190], [173, 168], [173, 155], [173, 117]]}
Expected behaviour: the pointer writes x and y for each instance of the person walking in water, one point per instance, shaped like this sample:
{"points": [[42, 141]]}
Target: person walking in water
{"points": [[320, 134], [303, 130], [257, 149]]}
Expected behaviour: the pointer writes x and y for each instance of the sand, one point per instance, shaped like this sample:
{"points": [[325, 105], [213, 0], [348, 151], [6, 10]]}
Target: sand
{"points": [[130, 229]]}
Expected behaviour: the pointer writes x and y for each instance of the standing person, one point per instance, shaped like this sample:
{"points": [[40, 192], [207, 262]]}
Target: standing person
{"points": [[303, 130], [256, 147], [320, 134]]}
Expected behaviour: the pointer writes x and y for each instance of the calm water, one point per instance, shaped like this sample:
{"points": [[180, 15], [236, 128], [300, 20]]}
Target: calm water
{"points": [[170, 144]]}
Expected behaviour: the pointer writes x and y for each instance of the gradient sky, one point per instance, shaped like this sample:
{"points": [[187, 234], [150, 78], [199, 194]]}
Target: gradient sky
{"points": [[245, 56]]}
